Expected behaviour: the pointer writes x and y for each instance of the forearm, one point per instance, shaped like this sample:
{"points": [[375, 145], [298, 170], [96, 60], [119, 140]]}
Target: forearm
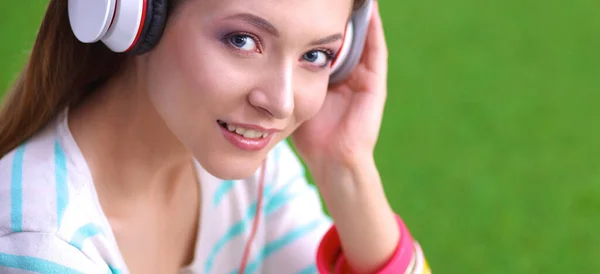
{"points": [[366, 224]]}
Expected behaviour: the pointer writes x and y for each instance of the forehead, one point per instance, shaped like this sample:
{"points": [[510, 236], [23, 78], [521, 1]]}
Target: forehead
{"points": [[299, 14]]}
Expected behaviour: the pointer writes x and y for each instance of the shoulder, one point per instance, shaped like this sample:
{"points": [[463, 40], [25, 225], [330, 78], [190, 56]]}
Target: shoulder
{"points": [[37, 186], [31, 160], [48, 206], [34, 252]]}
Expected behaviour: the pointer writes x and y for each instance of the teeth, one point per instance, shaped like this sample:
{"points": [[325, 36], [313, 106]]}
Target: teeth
{"points": [[252, 134], [247, 133], [240, 131]]}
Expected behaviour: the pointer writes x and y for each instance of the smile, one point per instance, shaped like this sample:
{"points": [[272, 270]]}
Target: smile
{"points": [[249, 138], [247, 133]]}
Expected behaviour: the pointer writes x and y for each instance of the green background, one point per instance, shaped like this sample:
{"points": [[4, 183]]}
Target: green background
{"points": [[489, 147]]}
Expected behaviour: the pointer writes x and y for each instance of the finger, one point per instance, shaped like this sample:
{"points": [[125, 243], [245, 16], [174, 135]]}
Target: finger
{"points": [[376, 53]]}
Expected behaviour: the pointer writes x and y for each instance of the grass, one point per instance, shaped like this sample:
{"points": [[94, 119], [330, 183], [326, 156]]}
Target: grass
{"points": [[489, 147]]}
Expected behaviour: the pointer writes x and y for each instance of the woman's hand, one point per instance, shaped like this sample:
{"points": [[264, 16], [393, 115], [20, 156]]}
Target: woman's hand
{"points": [[337, 146], [346, 129]]}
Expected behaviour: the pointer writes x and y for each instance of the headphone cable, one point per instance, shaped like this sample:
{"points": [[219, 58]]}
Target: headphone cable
{"points": [[256, 219]]}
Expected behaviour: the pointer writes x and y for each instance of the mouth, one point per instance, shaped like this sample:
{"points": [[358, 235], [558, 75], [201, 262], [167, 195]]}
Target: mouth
{"points": [[244, 132]]}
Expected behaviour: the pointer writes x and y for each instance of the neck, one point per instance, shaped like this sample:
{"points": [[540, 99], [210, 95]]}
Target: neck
{"points": [[128, 147]]}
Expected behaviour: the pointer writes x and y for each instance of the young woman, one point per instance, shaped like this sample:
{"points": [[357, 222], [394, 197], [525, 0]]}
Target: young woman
{"points": [[174, 160]]}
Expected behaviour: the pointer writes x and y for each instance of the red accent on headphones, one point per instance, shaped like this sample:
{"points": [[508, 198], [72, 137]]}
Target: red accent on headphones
{"points": [[141, 27], [340, 50]]}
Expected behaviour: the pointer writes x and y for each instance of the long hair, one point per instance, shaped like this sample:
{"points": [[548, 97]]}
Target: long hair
{"points": [[60, 72]]}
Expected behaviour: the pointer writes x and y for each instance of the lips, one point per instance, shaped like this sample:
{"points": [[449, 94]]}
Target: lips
{"points": [[246, 137]]}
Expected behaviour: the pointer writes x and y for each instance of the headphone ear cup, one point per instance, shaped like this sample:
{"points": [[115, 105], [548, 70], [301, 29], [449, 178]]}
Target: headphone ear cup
{"points": [[342, 55], [156, 16], [353, 52], [90, 20]]}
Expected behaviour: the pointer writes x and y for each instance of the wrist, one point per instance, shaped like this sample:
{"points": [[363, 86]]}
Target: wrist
{"points": [[355, 183], [364, 220], [333, 172]]}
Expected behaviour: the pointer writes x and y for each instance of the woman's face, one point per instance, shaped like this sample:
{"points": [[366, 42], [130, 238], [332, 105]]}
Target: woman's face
{"points": [[231, 78]]}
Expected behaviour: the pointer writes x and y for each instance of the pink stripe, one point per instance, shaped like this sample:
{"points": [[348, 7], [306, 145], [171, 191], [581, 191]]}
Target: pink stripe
{"points": [[398, 263]]}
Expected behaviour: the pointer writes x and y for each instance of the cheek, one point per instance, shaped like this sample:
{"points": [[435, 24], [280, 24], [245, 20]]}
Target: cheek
{"points": [[309, 100], [184, 89], [188, 79], [206, 71]]}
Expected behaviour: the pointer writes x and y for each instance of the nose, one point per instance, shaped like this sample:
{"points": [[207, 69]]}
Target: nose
{"points": [[274, 93]]}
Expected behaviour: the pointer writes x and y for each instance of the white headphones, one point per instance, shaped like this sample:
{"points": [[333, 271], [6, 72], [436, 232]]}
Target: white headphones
{"points": [[135, 26]]}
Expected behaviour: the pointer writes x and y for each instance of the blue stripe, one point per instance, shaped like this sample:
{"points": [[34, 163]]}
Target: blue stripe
{"points": [[280, 243], [83, 233], [311, 269], [34, 264], [279, 199], [114, 270], [62, 190], [274, 202], [238, 228], [233, 231], [224, 187], [16, 190]]}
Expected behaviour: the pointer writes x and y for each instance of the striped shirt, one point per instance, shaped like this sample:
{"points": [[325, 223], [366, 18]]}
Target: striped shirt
{"points": [[51, 220]]}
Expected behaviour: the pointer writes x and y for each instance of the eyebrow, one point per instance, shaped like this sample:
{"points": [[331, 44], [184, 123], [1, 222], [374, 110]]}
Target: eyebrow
{"points": [[328, 39], [262, 23], [257, 21]]}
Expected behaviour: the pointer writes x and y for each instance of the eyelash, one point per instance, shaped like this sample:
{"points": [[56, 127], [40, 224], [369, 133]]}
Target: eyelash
{"points": [[226, 39], [329, 54]]}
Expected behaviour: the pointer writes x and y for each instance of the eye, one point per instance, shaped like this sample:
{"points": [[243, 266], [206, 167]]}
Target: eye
{"points": [[245, 42], [319, 58]]}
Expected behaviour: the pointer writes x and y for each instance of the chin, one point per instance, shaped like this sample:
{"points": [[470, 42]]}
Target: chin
{"points": [[230, 169]]}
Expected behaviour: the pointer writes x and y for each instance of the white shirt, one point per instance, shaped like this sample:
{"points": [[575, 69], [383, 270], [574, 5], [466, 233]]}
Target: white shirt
{"points": [[51, 220]]}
